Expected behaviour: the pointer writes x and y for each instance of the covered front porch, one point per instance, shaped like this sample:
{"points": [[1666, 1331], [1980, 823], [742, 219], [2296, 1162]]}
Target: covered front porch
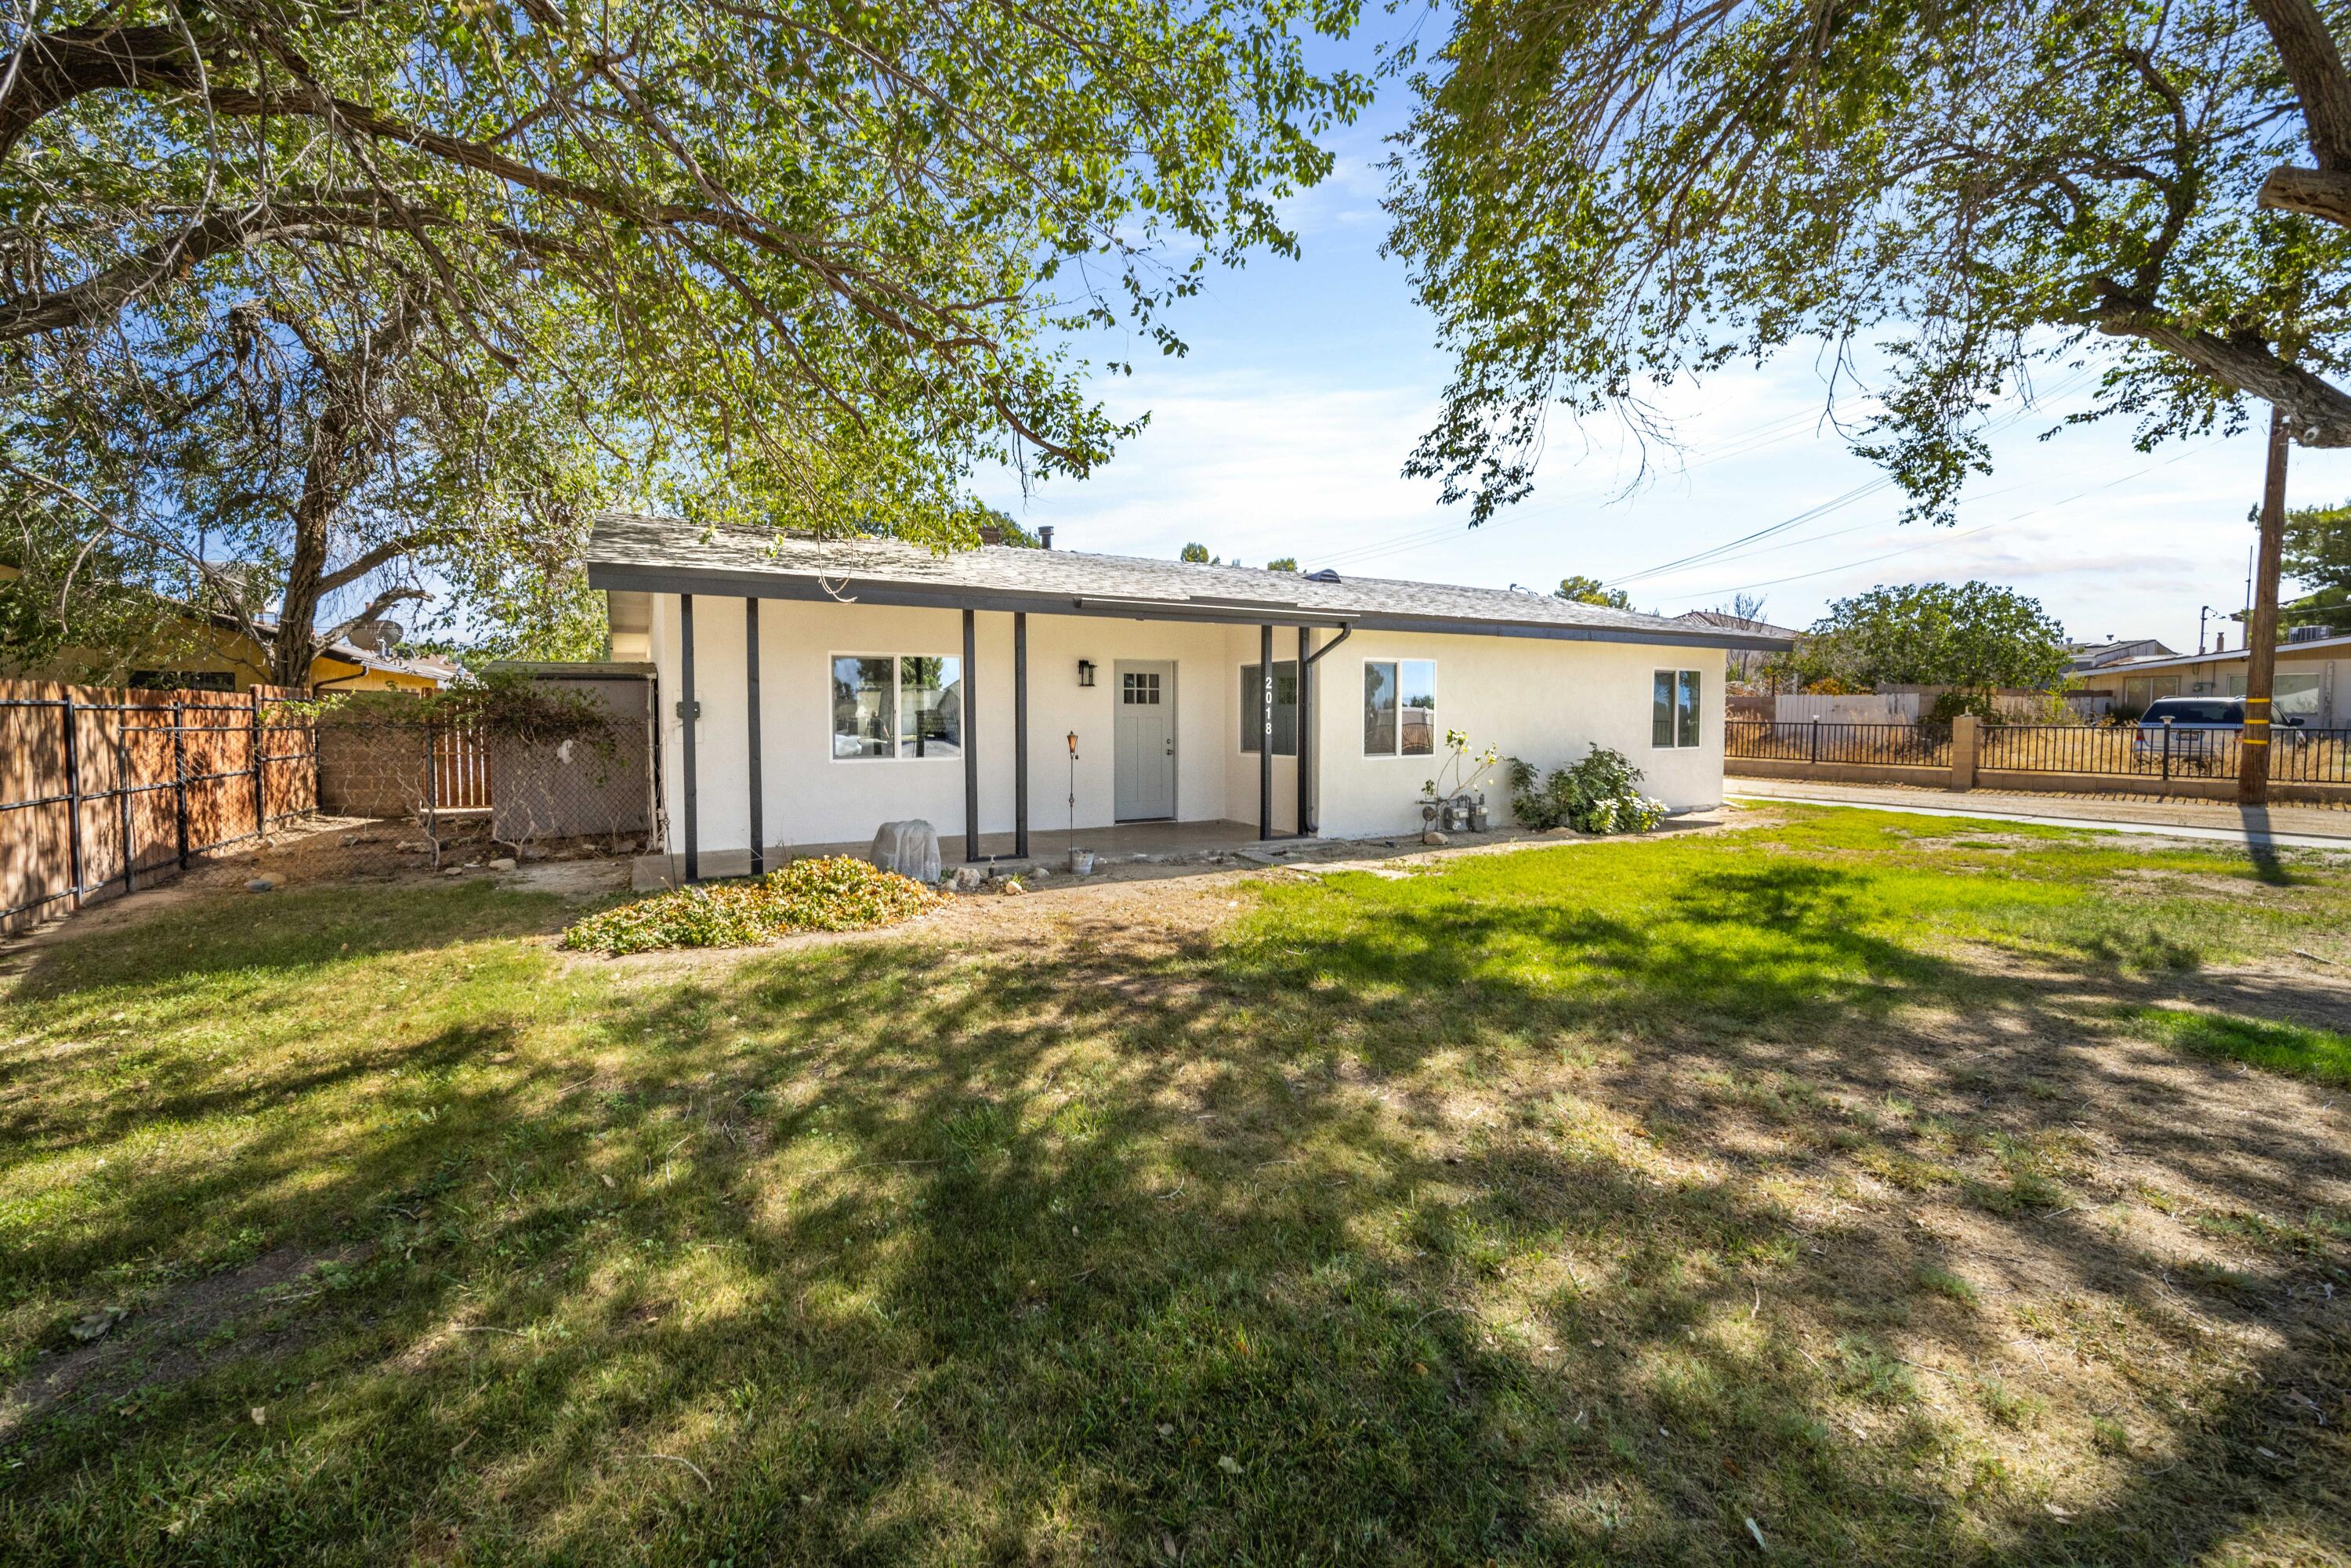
{"points": [[800, 724]]}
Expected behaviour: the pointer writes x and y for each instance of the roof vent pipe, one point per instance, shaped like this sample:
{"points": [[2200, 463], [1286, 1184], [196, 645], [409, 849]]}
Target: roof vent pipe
{"points": [[1046, 534]]}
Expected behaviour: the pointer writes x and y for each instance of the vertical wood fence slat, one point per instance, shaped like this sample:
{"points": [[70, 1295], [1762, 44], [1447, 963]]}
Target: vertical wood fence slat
{"points": [[95, 780]]}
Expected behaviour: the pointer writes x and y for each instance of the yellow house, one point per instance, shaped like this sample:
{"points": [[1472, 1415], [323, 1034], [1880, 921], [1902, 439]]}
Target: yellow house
{"points": [[212, 652], [2314, 679]]}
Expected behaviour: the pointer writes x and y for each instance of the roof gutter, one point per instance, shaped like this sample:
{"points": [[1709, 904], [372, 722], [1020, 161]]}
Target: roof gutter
{"points": [[814, 589]]}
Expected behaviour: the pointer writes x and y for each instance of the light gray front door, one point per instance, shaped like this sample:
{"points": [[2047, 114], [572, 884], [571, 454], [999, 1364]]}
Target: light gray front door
{"points": [[1144, 776]]}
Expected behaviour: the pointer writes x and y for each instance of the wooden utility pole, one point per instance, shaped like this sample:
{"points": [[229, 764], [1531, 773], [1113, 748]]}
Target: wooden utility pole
{"points": [[2261, 632]]}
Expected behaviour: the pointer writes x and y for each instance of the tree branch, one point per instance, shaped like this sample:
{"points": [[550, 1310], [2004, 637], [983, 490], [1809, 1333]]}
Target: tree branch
{"points": [[50, 70], [2317, 412], [2314, 65], [375, 607], [2318, 193], [344, 577]]}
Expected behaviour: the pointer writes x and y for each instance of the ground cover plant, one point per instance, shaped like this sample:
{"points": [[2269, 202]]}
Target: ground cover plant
{"points": [[1849, 1182], [835, 893]]}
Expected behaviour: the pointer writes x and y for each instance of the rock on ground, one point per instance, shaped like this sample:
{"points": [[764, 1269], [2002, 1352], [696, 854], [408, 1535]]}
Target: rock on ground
{"points": [[909, 848]]}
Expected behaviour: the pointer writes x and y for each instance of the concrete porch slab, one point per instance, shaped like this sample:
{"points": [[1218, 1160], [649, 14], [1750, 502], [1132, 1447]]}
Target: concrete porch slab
{"points": [[1124, 843]]}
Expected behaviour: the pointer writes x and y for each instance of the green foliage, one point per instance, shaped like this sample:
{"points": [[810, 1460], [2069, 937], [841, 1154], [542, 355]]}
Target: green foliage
{"points": [[2318, 552], [1591, 590], [1600, 199], [1197, 554], [511, 705], [1282, 563], [1976, 635], [496, 267], [65, 611], [1597, 795], [839, 892]]}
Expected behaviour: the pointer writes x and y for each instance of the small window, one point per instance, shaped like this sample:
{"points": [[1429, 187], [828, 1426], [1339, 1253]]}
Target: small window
{"points": [[888, 705], [1674, 709], [1285, 707], [1139, 688], [1400, 707]]}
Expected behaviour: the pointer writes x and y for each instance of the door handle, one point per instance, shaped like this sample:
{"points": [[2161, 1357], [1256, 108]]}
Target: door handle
{"points": [[1171, 748]]}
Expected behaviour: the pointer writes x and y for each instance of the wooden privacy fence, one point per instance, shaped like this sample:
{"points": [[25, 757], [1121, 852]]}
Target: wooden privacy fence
{"points": [[101, 789]]}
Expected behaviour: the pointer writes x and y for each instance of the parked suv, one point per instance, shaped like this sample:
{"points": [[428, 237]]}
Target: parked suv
{"points": [[2201, 732]]}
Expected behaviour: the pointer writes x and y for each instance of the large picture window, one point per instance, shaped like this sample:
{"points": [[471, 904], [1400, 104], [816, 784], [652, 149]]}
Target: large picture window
{"points": [[1400, 707], [1674, 709], [896, 706], [1285, 706]]}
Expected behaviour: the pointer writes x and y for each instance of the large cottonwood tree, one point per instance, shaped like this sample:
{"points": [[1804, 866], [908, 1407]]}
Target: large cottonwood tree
{"points": [[321, 287], [1600, 199]]}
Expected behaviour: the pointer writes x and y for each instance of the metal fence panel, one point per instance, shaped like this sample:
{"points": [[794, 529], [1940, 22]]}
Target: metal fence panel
{"points": [[1819, 740]]}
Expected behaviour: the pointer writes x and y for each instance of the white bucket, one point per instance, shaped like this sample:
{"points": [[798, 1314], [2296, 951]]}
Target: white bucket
{"points": [[1082, 862]]}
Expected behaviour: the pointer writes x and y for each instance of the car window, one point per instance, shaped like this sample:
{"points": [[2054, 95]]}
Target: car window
{"points": [[2182, 710]]}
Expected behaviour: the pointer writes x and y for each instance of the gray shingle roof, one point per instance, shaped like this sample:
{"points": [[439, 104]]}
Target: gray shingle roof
{"points": [[666, 555]]}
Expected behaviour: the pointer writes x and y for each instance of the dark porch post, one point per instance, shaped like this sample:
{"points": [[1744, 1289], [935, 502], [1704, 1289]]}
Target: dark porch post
{"points": [[1305, 728], [1019, 734], [1265, 738], [751, 681], [687, 709], [970, 746]]}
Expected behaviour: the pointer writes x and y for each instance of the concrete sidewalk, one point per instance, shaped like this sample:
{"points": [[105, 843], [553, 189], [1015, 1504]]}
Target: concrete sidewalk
{"points": [[2295, 826]]}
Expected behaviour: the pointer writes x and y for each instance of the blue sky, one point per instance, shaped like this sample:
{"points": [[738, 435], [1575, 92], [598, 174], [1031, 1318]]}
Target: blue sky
{"points": [[1285, 430]]}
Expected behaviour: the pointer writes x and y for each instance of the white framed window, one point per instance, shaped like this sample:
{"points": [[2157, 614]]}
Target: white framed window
{"points": [[896, 706], [1400, 707], [1673, 708], [1285, 707]]}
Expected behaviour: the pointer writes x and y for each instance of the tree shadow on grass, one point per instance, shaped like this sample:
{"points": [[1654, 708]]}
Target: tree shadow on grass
{"points": [[1371, 1238]]}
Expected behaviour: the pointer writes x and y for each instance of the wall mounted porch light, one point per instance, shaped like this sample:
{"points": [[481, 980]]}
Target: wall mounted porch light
{"points": [[1085, 672]]}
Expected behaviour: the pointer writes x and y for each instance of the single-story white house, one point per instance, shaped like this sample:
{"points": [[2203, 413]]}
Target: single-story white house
{"points": [[812, 690]]}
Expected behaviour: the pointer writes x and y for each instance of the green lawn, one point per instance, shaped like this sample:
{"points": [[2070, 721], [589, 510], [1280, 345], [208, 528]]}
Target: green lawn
{"points": [[1916, 1192]]}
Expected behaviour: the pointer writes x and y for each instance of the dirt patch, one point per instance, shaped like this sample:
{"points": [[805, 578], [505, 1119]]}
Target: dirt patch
{"points": [[1141, 901], [178, 1339]]}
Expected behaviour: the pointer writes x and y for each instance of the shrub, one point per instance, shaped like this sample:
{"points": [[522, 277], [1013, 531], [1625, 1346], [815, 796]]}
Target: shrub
{"points": [[1593, 796], [839, 892]]}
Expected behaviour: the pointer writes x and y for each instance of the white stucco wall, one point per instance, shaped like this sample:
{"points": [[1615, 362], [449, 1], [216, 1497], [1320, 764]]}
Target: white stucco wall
{"points": [[1539, 700], [1547, 702]]}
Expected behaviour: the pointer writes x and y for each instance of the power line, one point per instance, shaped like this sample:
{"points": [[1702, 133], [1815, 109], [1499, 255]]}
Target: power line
{"points": [[1958, 534], [2062, 389], [1739, 444]]}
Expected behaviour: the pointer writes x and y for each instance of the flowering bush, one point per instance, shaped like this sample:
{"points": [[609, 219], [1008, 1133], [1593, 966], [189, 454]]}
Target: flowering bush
{"points": [[1593, 796], [839, 892], [1462, 772]]}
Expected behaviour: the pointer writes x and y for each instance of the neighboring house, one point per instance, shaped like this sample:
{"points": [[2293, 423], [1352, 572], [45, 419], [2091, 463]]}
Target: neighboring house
{"points": [[211, 652], [890, 683], [2314, 679], [2085, 657]]}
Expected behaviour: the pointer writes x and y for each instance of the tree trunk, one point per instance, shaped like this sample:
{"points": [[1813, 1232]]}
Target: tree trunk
{"points": [[345, 438], [2260, 632], [2305, 47]]}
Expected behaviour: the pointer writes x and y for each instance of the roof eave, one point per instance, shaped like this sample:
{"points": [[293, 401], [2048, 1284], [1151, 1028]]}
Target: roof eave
{"points": [[625, 578]]}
